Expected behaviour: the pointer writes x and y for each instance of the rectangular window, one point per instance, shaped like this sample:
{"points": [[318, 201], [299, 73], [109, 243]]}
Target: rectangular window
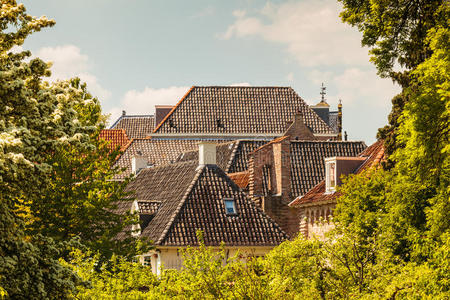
{"points": [[148, 261], [230, 206]]}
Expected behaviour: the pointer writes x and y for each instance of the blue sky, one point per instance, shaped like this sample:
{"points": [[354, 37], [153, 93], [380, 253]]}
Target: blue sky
{"points": [[136, 53]]}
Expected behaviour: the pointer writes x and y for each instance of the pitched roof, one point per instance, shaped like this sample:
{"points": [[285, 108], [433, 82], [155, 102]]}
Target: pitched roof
{"points": [[231, 156], [226, 109], [374, 154], [138, 126], [157, 151], [192, 199], [115, 138], [307, 161]]}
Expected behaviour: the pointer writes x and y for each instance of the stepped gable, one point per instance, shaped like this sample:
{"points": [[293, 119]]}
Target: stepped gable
{"points": [[307, 161], [239, 110], [232, 157], [115, 138], [135, 126], [374, 154], [158, 152]]}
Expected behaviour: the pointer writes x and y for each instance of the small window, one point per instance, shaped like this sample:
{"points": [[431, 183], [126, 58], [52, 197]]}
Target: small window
{"points": [[148, 261], [230, 206]]}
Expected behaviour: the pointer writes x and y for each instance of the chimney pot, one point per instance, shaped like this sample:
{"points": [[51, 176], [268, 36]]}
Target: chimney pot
{"points": [[207, 153]]}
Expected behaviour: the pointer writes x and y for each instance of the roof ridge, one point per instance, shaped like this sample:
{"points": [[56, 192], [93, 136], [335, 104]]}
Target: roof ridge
{"points": [[173, 216], [321, 141], [233, 155], [138, 116], [124, 149], [173, 109], [238, 86]]}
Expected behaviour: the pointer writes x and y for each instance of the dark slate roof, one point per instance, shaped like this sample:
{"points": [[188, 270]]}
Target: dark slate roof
{"points": [[241, 110], [115, 138], [232, 157], [307, 161], [157, 151], [333, 121], [374, 154], [139, 126], [192, 199]]}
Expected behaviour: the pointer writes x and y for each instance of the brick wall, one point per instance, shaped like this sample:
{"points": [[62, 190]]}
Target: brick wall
{"points": [[274, 157]]}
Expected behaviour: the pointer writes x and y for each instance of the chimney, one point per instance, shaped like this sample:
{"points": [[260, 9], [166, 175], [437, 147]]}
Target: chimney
{"points": [[298, 129], [207, 153], [124, 113], [161, 112], [138, 162]]}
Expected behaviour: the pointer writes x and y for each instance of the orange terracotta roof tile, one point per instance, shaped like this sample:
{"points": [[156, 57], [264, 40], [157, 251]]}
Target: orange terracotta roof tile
{"points": [[374, 154], [240, 178], [115, 138]]}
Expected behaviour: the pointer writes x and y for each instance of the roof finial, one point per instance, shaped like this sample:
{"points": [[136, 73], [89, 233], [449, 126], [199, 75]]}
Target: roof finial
{"points": [[322, 92]]}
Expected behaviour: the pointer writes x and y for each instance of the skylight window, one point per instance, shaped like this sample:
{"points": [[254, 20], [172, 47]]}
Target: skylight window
{"points": [[230, 206]]}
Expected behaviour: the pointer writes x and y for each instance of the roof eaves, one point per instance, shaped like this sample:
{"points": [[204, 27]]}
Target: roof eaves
{"points": [[173, 109]]}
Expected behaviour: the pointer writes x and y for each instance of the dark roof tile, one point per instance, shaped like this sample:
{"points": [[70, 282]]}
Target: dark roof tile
{"points": [[225, 109], [136, 126], [192, 199]]}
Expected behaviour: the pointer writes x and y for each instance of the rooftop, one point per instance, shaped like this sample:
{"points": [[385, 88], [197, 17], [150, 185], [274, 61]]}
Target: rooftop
{"points": [[242, 110], [192, 198]]}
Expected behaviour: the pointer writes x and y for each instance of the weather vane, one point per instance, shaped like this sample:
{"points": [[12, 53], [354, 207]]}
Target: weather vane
{"points": [[322, 92]]}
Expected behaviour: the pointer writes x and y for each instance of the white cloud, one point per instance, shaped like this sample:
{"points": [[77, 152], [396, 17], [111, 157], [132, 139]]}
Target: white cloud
{"points": [[355, 84], [67, 62], [311, 30], [142, 102]]}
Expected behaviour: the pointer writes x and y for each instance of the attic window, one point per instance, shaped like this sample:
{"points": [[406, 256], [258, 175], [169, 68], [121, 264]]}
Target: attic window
{"points": [[230, 206], [219, 123], [171, 123]]}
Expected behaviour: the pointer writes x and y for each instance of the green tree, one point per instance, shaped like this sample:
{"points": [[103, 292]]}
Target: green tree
{"points": [[80, 197], [397, 34]]}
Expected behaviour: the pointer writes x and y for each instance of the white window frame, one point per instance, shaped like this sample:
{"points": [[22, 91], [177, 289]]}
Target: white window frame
{"points": [[233, 201], [328, 163]]}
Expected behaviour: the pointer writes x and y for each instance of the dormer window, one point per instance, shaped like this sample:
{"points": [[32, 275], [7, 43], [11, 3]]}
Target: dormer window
{"points": [[330, 176], [230, 206]]}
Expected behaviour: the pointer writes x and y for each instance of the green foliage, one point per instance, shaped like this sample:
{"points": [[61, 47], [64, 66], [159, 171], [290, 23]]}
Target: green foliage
{"points": [[118, 278], [80, 197], [396, 31]]}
